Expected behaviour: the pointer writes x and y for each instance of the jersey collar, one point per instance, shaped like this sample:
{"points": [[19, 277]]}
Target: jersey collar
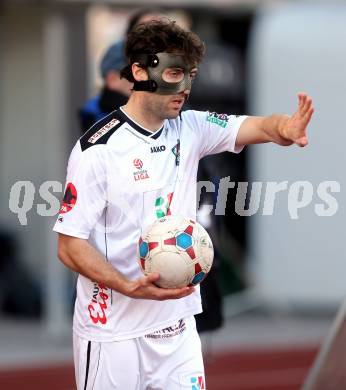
{"points": [[139, 128]]}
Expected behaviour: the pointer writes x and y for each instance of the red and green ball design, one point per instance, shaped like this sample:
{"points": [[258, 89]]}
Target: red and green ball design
{"points": [[179, 249]]}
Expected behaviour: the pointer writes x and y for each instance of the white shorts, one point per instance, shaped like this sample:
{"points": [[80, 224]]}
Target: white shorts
{"points": [[169, 359]]}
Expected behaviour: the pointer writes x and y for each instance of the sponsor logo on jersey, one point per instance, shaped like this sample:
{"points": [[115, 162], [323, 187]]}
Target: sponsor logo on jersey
{"points": [[157, 149], [176, 152], [104, 130], [69, 200], [218, 119], [141, 173], [99, 303], [197, 382], [168, 332]]}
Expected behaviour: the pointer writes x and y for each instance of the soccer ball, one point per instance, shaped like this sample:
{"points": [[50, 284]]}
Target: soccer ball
{"points": [[178, 248]]}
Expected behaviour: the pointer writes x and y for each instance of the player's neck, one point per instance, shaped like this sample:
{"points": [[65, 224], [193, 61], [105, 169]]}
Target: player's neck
{"points": [[138, 111]]}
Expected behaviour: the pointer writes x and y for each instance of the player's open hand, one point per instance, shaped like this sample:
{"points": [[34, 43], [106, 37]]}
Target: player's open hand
{"points": [[294, 129], [145, 288]]}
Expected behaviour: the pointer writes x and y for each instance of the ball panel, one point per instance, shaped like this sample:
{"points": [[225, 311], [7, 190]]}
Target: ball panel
{"points": [[191, 253], [153, 245], [143, 249], [172, 270], [184, 240], [198, 278], [189, 230], [198, 268], [170, 241]]}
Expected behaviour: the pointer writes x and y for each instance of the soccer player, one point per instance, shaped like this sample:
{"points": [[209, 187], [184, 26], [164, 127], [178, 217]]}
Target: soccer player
{"points": [[135, 165]]}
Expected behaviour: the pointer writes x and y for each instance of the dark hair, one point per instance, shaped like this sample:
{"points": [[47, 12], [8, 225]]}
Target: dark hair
{"points": [[161, 36], [137, 16]]}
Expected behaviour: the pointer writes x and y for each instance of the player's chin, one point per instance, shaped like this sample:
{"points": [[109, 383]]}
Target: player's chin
{"points": [[173, 113]]}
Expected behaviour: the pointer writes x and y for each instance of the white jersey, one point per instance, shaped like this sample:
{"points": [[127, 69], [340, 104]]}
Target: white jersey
{"points": [[120, 178]]}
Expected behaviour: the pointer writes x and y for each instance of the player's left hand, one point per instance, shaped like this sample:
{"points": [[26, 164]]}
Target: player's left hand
{"points": [[294, 129], [145, 288]]}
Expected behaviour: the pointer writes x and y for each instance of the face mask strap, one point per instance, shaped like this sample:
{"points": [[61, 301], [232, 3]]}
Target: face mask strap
{"points": [[145, 61], [148, 85]]}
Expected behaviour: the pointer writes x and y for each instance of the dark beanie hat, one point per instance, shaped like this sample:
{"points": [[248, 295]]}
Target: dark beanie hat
{"points": [[113, 59]]}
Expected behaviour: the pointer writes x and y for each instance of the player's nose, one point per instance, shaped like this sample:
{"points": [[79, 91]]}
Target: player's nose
{"points": [[186, 93]]}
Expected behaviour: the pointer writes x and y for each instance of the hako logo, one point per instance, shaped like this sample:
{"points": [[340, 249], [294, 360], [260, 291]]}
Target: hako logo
{"points": [[157, 149], [138, 163]]}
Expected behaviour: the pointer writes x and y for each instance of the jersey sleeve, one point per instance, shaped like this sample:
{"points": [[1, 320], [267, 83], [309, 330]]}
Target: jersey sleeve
{"points": [[216, 133], [85, 196]]}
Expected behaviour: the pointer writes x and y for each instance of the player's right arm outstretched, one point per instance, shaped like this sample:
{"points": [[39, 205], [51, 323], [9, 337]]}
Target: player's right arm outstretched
{"points": [[284, 130], [81, 257]]}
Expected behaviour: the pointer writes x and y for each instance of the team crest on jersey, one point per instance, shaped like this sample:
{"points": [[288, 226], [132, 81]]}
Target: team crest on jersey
{"points": [[104, 130], [140, 174], [218, 119], [176, 152], [69, 200]]}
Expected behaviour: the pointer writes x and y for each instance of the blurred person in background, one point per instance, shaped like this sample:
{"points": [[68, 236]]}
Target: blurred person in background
{"points": [[129, 333], [115, 90]]}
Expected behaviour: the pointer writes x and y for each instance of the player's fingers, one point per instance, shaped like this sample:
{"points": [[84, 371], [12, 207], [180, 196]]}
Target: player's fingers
{"points": [[306, 106], [303, 141], [176, 293], [308, 114], [152, 277], [302, 102], [146, 281], [301, 99]]}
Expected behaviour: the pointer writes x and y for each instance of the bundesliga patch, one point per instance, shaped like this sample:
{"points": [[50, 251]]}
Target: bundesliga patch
{"points": [[218, 119], [141, 173], [69, 200], [104, 130]]}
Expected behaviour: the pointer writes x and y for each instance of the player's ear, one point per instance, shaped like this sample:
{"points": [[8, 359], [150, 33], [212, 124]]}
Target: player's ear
{"points": [[139, 74]]}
